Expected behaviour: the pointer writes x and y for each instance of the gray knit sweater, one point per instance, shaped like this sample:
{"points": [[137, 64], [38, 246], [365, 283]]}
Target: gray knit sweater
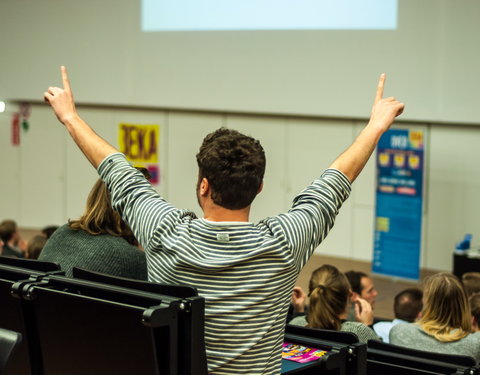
{"points": [[103, 253], [412, 336], [363, 332]]}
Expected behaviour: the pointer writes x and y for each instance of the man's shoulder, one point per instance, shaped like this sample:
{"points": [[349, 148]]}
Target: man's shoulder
{"points": [[349, 324], [299, 321], [384, 324]]}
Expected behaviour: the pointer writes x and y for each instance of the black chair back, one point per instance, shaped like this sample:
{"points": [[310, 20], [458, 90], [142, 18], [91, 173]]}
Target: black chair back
{"points": [[345, 355], [384, 358], [15, 316], [9, 341], [182, 291]]}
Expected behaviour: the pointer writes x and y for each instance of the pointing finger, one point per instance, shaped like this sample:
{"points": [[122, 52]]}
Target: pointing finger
{"points": [[381, 84], [66, 82]]}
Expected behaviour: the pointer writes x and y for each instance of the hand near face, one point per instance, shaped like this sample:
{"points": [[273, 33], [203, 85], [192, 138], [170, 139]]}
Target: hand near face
{"points": [[298, 299], [363, 312]]}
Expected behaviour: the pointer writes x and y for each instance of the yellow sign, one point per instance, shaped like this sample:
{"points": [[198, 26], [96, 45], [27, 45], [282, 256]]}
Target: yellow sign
{"points": [[139, 143], [416, 139], [383, 224]]}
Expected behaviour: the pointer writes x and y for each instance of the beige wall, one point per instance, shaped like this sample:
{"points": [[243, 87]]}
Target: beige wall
{"points": [[431, 60]]}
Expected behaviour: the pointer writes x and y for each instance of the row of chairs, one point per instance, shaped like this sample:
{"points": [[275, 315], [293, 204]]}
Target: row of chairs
{"points": [[99, 324], [345, 355]]}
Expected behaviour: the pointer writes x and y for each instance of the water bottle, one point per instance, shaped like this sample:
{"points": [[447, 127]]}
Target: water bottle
{"points": [[463, 246]]}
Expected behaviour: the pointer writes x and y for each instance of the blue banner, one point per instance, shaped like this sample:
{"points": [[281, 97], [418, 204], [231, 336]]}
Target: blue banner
{"points": [[399, 203]]}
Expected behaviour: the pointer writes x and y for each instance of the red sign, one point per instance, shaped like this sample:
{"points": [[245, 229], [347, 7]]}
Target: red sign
{"points": [[16, 129]]}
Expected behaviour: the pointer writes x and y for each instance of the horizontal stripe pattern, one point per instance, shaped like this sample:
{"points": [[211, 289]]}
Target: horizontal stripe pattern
{"points": [[244, 271]]}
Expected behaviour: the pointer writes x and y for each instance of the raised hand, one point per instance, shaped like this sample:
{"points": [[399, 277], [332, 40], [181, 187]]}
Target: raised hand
{"points": [[384, 110], [90, 143], [61, 99]]}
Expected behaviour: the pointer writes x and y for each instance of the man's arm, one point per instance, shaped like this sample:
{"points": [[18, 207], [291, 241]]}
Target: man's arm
{"points": [[124, 182], [90, 143], [384, 111]]}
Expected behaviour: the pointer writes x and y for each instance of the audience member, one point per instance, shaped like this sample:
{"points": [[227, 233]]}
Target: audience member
{"points": [[297, 305], [245, 271], [471, 282], [329, 292], [99, 241], [474, 301], [362, 287], [35, 246], [49, 230], [407, 307], [445, 323], [13, 245]]}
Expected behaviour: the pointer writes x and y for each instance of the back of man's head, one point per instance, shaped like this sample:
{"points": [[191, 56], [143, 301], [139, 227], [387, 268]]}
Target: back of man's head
{"points": [[355, 280], [234, 165], [408, 304], [7, 230], [471, 282], [475, 310]]}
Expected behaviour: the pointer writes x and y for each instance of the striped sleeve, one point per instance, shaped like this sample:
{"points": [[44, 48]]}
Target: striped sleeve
{"points": [[313, 213], [139, 204]]}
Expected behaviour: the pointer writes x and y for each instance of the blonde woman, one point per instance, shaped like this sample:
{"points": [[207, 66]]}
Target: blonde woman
{"points": [[445, 324], [329, 292], [98, 241]]}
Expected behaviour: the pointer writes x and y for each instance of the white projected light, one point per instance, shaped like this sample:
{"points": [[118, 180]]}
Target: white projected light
{"points": [[191, 15], [2, 107]]}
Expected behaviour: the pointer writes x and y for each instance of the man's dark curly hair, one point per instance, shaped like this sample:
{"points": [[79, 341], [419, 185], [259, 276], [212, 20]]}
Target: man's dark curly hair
{"points": [[234, 165]]}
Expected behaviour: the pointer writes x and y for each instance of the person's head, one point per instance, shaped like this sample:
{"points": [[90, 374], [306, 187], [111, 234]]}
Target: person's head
{"points": [[408, 304], [362, 286], [35, 246], [471, 282], [329, 291], [100, 218], [474, 301], [233, 165], [48, 231], [8, 231], [446, 312]]}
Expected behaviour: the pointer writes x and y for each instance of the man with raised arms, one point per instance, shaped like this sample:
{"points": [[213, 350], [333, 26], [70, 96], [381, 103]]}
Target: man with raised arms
{"points": [[245, 271]]}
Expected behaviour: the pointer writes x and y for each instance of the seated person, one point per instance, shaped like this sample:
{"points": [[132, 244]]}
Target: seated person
{"points": [[297, 305], [329, 292], [35, 246], [99, 241], [471, 282], [49, 230], [362, 287], [407, 307], [475, 311], [445, 324], [13, 245]]}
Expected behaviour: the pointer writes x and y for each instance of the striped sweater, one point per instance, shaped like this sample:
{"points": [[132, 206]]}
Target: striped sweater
{"points": [[244, 271]]}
